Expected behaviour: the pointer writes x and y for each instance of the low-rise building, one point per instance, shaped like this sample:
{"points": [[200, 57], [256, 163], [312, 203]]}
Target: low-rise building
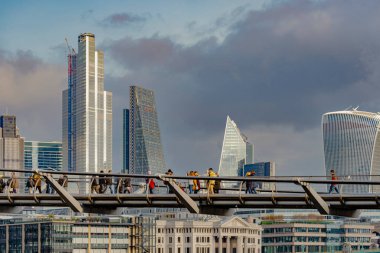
{"points": [[77, 234], [187, 233], [316, 235]]}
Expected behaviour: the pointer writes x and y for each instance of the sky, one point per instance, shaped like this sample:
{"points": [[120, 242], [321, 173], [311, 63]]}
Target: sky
{"points": [[273, 66]]}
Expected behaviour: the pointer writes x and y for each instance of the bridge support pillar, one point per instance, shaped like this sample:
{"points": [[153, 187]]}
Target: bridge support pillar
{"points": [[318, 202], [322, 206], [185, 199], [65, 195]]}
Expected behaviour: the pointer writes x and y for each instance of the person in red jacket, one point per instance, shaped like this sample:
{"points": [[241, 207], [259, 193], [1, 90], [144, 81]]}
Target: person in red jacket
{"points": [[333, 185]]}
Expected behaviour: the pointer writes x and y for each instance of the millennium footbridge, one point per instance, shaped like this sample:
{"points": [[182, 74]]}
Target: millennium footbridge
{"points": [[222, 203]]}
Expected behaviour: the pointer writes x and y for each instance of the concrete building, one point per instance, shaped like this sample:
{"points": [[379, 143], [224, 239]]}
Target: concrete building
{"points": [[11, 145], [77, 234], [351, 143], [145, 148], [236, 150], [86, 112], [43, 155], [188, 233], [315, 234]]}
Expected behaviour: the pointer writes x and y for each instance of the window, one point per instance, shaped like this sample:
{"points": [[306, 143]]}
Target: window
{"points": [[179, 239], [188, 239], [178, 250], [170, 239], [187, 250]]}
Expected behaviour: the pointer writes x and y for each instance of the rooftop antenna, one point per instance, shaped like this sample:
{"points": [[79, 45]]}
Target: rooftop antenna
{"points": [[346, 109], [356, 108]]}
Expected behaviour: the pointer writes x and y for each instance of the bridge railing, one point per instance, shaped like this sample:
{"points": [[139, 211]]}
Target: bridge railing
{"points": [[77, 179]]}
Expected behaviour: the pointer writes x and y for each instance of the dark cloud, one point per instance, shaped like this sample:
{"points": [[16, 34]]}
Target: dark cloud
{"points": [[123, 19], [282, 66]]}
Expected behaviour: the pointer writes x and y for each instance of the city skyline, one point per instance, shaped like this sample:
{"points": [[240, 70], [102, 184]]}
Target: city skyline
{"points": [[275, 66]]}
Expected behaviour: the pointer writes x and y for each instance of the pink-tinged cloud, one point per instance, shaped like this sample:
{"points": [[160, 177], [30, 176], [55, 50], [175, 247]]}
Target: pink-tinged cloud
{"points": [[31, 89]]}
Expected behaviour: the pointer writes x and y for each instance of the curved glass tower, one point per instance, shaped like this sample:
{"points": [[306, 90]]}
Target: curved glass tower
{"points": [[352, 146]]}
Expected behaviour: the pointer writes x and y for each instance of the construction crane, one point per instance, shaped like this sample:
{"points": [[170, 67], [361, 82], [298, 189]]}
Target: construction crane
{"points": [[70, 49]]}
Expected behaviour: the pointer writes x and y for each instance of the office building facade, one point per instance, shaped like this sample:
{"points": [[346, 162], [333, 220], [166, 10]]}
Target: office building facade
{"points": [[86, 111], [307, 235], [352, 146], [145, 148], [186, 233], [11, 145], [236, 150], [43, 155], [125, 141], [76, 234]]}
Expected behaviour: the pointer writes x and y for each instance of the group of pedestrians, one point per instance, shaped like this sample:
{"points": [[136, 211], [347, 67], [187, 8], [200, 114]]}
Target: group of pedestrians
{"points": [[12, 183], [104, 183]]}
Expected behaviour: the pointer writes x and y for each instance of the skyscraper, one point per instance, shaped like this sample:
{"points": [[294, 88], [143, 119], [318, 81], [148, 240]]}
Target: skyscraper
{"points": [[351, 142], [125, 140], [145, 149], [236, 150], [86, 111], [43, 155], [11, 144]]}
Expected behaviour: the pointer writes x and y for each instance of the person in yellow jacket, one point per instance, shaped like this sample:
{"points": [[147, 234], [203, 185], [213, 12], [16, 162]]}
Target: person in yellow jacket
{"points": [[211, 183], [37, 181]]}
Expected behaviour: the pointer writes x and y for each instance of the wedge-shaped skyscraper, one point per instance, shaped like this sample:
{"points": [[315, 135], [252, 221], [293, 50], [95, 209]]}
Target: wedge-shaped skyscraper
{"points": [[86, 111], [145, 148], [351, 142], [236, 151]]}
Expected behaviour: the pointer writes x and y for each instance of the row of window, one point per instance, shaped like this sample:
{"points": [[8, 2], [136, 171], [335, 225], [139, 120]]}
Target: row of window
{"points": [[316, 230], [207, 230]]}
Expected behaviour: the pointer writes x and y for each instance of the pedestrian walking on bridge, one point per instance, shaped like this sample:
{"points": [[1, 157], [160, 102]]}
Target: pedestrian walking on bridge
{"points": [[333, 185]]}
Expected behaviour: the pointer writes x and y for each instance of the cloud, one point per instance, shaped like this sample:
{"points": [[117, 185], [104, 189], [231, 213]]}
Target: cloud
{"points": [[123, 19], [31, 89], [282, 67]]}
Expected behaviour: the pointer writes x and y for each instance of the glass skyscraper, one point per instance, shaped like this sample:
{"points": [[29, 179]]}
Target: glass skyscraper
{"points": [[236, 150], [352, 146], [125, 140], [43, 155], [86, 111], [145, 148]]}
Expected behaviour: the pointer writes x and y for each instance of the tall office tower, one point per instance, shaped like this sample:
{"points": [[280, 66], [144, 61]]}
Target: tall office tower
{"points": [[236, 150], [11, 145], [125, 141], [86, 111], [351, 143], [145, 149], [45, 155]]}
